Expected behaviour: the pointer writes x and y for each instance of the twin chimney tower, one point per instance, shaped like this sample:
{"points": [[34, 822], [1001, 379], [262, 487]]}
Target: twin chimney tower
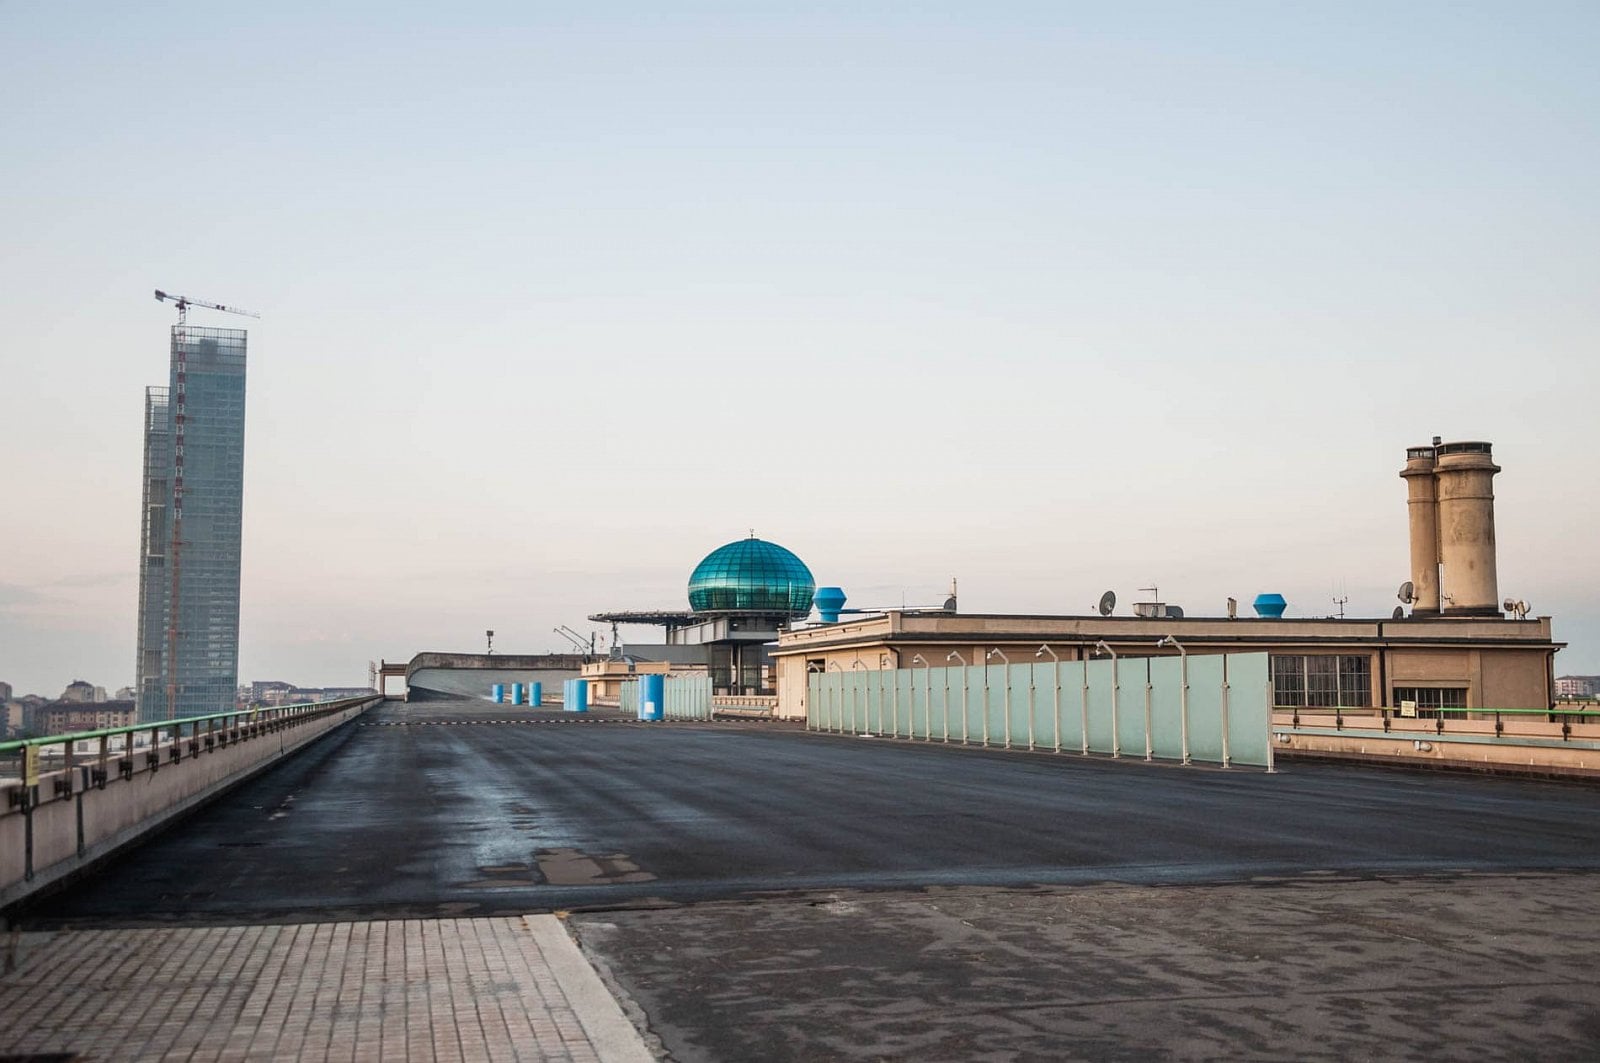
{"points": [[1450, 495]]}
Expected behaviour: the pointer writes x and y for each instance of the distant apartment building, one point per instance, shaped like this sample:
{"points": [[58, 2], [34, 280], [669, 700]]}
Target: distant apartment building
{"points": [[5, 693], [263, 690], [274, 694], [188, 653], [67, 717], [81, 692], [1577, 686]]}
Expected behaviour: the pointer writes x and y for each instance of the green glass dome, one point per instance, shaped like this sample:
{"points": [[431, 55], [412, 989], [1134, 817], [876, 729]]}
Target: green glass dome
{"points": [[752, 575]]}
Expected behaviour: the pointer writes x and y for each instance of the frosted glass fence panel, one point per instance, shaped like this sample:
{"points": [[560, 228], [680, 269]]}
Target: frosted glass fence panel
{"points": [[1205, 708], [906, 701], [1104, 706], [684, 698], [1127, 705], [1131, 677], [1166, 707], [1249, 727]]}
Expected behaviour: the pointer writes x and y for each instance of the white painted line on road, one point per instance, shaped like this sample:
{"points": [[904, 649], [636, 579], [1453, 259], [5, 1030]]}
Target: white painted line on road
{"points": [[612, 1035]]}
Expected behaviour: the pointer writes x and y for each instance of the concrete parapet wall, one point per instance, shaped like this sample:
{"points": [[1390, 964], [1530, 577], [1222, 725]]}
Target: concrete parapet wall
{"points": [[450, 684], [68, 823], [560, 662], [1521, 745]]}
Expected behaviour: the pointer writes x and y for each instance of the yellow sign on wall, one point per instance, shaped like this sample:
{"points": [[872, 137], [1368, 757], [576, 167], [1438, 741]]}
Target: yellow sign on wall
{"points": [[30, 765]]}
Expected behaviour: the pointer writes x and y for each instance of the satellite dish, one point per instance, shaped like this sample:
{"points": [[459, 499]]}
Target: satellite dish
{"points": [[1175, 612], [1399, 613], [1407, 593], [1108, 602], [1509, 605], [950, 604]]}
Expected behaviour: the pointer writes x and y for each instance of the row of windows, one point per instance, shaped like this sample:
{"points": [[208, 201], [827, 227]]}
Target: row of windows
{"points": [[1321, 681], [1325, 681]]}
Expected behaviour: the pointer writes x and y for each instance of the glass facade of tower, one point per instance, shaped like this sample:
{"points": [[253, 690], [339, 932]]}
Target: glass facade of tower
{"points": [[193, 507]]}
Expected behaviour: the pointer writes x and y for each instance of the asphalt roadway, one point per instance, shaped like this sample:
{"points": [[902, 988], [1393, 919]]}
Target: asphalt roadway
{"points": [[457, 809], [750, 891]]}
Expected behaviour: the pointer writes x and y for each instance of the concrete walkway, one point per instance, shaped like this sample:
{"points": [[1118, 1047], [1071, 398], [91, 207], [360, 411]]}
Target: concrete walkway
{"points": [[1318, 968], [447, 989]]}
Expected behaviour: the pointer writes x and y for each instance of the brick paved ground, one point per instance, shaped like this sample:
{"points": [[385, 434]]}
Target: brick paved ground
{"points": [[447, 989]]}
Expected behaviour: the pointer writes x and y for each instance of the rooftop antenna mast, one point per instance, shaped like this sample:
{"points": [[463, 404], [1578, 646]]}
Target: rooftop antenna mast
{"points": [[180, 356]]}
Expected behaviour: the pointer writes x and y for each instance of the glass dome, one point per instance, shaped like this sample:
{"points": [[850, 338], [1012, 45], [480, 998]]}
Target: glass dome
{"points": [[752, 575]]}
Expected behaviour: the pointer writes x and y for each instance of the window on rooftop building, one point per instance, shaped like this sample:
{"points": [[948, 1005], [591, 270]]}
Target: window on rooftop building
{"points": [[1321, 680], [1431, 699]]}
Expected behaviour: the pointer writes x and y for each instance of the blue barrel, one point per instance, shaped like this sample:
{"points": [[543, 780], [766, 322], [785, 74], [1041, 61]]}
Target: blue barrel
{"points": [[652, 696], [535, 694], [580, 696], [499, 692]]}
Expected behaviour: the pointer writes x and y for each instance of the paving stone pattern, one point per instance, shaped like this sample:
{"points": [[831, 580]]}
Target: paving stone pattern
{"points": [[447, 989], [1319, 968]]}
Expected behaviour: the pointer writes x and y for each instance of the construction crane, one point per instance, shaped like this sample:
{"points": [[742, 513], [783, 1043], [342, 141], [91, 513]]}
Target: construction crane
{"points": [[184, 303], [180, 364]]}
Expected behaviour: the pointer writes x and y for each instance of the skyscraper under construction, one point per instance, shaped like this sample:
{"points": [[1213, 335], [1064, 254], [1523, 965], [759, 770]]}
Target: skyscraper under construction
{"points": [[189, 544]]}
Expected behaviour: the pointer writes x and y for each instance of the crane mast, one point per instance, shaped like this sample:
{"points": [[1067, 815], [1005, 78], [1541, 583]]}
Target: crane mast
{"points": [[180, 349]]}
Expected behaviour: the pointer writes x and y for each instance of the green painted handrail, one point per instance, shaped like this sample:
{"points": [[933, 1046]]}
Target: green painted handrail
{"points": [[277, 712], [1356, 710]]}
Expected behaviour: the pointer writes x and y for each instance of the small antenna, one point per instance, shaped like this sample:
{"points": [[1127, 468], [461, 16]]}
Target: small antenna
{"points": [[1340, 603]]}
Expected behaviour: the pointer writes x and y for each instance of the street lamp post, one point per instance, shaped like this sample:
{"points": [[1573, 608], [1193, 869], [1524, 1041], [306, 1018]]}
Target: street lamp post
{"points": [[1040, 652], [1116, 684], [927, 694], [1006, 665], [1183, 692], [965, 728]]}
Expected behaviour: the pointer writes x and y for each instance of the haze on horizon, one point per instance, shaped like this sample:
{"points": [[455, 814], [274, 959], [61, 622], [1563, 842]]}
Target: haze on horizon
{"points": [[557, 298]]}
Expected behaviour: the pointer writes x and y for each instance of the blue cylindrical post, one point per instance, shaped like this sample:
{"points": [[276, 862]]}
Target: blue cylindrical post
{"points": [[516, 693], [535, 694], [498, 691], [580, 696], [652, 696]]}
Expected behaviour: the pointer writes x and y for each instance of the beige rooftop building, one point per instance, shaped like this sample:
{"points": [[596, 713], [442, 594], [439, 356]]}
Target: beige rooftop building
{"points": [[1455, 649]]}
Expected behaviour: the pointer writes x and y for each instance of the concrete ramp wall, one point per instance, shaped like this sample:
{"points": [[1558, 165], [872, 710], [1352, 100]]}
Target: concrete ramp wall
{"points": [[89, 805]]}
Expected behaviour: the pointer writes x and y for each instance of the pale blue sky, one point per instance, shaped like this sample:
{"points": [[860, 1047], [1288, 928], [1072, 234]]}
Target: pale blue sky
{"points": [[556, 298]]}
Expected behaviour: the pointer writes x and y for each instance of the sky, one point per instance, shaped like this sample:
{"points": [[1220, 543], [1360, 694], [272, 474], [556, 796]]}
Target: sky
{"points": [[555, 298]]}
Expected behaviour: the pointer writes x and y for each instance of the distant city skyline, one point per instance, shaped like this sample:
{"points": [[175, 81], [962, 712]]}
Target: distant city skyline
{"points": [[1050, 298]]}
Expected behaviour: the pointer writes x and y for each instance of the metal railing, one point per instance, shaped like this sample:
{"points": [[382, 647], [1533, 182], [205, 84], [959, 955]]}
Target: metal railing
{"points": [[1343, 716], [23, 762]]}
